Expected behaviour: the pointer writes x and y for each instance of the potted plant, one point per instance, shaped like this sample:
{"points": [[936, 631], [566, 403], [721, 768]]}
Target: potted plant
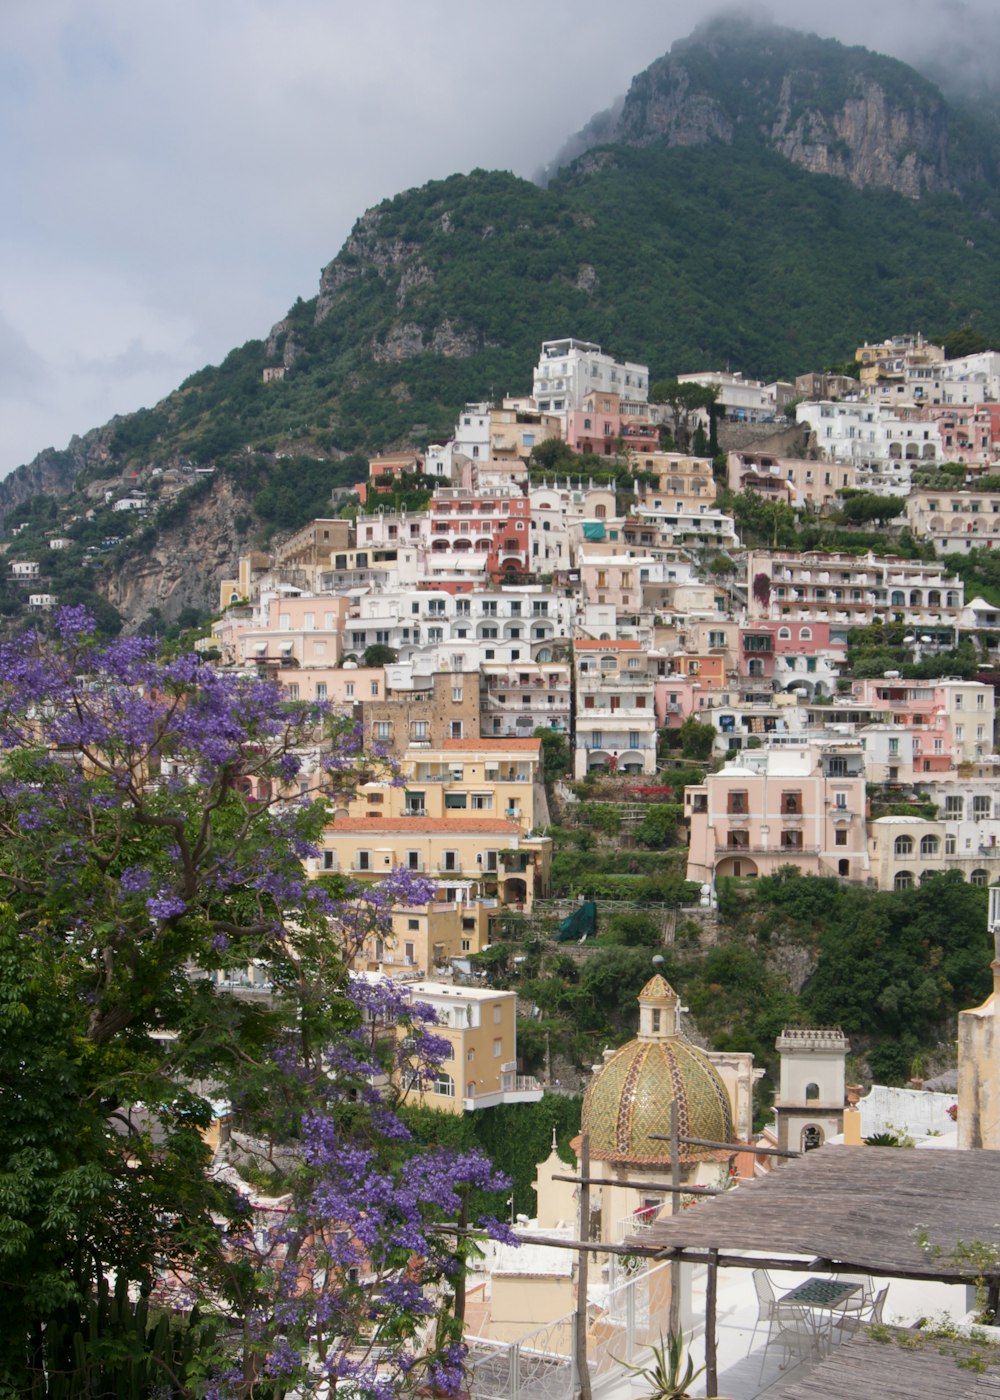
{"points": [[670, 1371]]}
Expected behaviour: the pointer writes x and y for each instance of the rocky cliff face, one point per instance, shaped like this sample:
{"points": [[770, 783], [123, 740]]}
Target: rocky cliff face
{"points": [[186, 563], [53, 473], [830, 109]]}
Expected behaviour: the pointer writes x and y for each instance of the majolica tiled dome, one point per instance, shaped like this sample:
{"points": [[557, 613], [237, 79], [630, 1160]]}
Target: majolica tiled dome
{"points": [[630, 1097]]}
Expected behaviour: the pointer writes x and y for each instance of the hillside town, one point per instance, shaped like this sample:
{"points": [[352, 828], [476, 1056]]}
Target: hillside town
{"points": [[589, 596], [523, 601]]}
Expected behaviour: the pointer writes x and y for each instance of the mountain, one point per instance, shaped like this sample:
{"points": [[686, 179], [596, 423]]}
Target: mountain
{"points": [[684, 253], [829, 108]]}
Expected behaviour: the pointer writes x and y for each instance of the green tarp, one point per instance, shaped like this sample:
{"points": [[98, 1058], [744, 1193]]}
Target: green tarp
{"points": [[580, 925]]}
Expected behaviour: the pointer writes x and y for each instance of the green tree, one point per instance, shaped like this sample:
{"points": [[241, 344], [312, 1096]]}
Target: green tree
{"points": [[555, 754], [659, 822], [685, 400], [379, 655], [696, 738]]}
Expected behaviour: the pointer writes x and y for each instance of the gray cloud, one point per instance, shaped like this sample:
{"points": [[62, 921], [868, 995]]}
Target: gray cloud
{"points": [[176, 175]]}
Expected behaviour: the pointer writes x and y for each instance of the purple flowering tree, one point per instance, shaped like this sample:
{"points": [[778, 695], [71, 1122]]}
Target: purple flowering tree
{"points": [[138, 879]]}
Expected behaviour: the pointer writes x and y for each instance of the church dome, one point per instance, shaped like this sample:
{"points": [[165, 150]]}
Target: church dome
{"points": [[631, 1095]]}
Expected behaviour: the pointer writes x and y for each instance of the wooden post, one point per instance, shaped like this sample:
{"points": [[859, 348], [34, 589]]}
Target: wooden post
{"points": [[580, 1327], [675, 1182], [711, 1340]]}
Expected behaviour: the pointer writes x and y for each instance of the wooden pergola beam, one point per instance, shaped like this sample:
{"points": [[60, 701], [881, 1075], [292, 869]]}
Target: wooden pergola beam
{"points": [[644, 1185]]}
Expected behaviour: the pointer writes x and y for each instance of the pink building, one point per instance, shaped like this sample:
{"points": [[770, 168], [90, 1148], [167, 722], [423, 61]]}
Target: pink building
{"points": [[968, 433], [677, 697], [801, 805], [949, 721], [792, 654], [600, 426], [339, 688]]}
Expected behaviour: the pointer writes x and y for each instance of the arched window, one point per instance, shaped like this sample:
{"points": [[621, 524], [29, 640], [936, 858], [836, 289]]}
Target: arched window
{"points": [[904, 846], [444, 1084], [903, 880], [929, 845], [979, 877], [812, 1137], [805, 634], [898, 599], [784, 634], [812, 1092]]}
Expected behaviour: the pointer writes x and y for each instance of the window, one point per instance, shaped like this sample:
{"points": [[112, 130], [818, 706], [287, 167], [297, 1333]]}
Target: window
{"points": [[903, 880], [482, 802], [949, 845], [349, 690], [456, 695], [456, 729], [449, 860], [497, 1048], [980, 809], [840, 801], [791, 803], [293, 692], [330, 860], [840, 836], [979, 877], [362, 860], [903, 846], [456, 801], [421, 730], [497, 1015], [929, 845], [383, 729], [738, 804], [321, 690]]}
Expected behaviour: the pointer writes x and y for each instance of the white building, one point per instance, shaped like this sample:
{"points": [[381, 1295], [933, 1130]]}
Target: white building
{"points": [[569, 370], [867, 434], [745, 400]]}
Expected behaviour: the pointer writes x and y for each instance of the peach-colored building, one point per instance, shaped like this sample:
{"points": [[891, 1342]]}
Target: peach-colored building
{"points": [[797, 480], [707, 668], [955, 520], [798, 804], [682, 480]]}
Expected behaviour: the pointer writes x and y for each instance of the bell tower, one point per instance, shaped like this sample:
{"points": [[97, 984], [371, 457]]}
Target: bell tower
{"points": [[810, 1104]]}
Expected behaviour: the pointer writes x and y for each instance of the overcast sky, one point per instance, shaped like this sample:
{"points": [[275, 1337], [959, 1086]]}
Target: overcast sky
{"points": [[176, 172]]}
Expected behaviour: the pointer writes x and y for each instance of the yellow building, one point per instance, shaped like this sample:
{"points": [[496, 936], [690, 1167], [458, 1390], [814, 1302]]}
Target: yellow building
{"points": [[464, 856], [427, 937], [480, 1071], [459, 778]]}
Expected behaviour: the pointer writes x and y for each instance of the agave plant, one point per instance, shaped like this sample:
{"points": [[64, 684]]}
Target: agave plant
{"points": [[670, 1371]]}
